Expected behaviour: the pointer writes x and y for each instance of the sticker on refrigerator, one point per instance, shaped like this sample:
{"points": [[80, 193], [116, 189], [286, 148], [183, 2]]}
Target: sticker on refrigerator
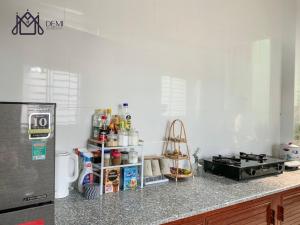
{"points": [[39, 150], [39, 126]]}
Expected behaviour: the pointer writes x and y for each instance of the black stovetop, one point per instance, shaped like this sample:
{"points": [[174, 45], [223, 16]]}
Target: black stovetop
{"points": [[241, 161], [244, 166]]}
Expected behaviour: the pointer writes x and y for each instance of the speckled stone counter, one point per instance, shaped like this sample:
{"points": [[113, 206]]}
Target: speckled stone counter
{"points": [[169, 202]]}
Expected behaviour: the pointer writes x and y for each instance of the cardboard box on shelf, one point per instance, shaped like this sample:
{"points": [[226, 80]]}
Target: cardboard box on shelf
{"points": [[130, 178], [112, 180]]}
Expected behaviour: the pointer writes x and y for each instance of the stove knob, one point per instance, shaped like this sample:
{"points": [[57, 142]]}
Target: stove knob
{"points": [[252, 172], [213, 168]]}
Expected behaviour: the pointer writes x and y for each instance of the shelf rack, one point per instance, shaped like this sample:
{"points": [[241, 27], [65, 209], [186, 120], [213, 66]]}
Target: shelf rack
{"points": [[175, 153], [99, 146]]}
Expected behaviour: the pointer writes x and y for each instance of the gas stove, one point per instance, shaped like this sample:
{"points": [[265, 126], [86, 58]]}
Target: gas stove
{"points": [[244, 166]]}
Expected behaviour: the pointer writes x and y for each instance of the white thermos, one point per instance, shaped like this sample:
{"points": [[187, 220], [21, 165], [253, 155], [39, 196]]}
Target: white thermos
{"points": [[65, 172]]}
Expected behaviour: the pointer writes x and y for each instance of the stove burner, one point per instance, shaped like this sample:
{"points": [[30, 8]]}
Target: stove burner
{"points": [[244, 166], [227, 160], [259, 158]]}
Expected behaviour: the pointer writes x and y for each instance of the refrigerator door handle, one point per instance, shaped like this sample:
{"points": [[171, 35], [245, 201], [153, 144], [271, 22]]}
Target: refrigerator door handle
{"points": [[74, 157]]}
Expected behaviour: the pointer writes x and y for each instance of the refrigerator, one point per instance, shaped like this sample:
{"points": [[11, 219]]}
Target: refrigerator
{"points": [[27, 150]]}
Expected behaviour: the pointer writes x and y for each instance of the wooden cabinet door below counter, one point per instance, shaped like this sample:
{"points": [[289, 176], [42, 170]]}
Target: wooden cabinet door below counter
{"points": [[194, 220], [257, 213], [288, 213]]}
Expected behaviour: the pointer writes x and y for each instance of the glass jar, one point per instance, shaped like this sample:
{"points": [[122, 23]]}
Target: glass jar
{"points": [[133, 156], [123, 138], [133, 137], [124, 157], [97, 118], [116, 157], [95, 133], [106, 158], [112, 140]]}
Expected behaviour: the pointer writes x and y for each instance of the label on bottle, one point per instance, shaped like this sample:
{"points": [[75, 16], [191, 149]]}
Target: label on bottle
{"points": [[88, 179], [128, 121]]}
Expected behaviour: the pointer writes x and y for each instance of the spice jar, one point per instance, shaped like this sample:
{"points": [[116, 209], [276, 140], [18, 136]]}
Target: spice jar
{"points": [[124, 157], [133, 137], [133, 156], [106, 158], [116, 157], [103, 137], [123, 138]]}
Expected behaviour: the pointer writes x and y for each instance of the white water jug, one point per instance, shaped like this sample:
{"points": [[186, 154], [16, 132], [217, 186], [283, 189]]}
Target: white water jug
{"points": [[63, 170]]}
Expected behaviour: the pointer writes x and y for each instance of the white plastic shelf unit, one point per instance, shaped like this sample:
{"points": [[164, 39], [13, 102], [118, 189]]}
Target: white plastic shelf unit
{"points": [[102, 148]]}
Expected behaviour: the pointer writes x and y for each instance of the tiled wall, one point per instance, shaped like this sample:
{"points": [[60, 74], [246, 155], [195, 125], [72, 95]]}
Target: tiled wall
{"points": [[215, 64]]}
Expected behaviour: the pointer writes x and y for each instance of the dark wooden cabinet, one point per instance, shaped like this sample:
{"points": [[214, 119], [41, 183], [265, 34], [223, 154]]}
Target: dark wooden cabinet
{"points": [[277, 209], [288, 213], [194, 220], [252, 214]]}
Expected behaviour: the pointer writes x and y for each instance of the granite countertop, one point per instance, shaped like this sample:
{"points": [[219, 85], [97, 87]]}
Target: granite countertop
{"points": [[168, 202]]}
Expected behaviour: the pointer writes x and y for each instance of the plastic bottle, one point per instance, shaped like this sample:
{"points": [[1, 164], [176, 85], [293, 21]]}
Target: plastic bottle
{"points": [[123, 138], [133, 137], [86, 175], [127, 116], [108, 115], [97, 118], [96, 123], [103, 127]]}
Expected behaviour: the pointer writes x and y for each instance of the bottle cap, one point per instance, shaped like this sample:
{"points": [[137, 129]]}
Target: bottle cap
{"points": [[87, 155], [125, 104], [115, 154]]}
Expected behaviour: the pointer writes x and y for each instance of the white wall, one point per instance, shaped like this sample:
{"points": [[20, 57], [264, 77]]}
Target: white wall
{"points": [[215, 64], [288, 72], [297, 73]]}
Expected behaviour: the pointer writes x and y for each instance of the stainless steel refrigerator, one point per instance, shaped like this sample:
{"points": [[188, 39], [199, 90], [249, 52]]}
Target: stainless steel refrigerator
{"points": [[27, 149]]}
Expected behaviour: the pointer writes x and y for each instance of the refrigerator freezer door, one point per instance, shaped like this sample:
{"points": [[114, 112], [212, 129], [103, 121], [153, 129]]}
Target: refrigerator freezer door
{"points": [[26, 165], [42, 215]]}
